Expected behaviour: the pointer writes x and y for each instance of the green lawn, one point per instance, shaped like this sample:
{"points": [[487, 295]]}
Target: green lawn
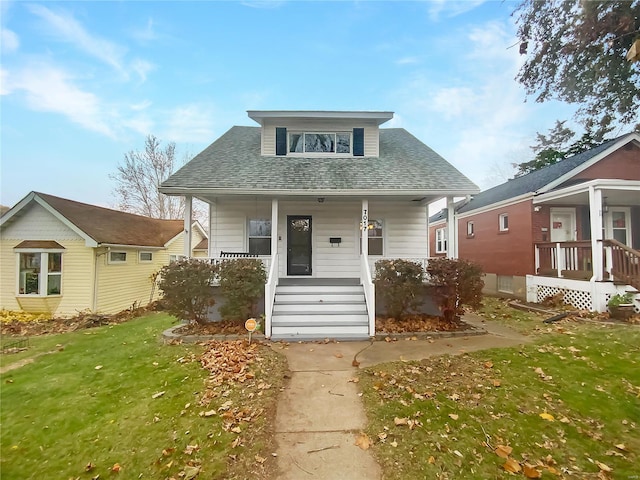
{"points": [[93, 399], [444, 417]]}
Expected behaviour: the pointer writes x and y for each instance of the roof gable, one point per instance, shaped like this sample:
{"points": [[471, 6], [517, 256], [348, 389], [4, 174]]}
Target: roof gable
{"points": [[549, 177], [99, 225]]}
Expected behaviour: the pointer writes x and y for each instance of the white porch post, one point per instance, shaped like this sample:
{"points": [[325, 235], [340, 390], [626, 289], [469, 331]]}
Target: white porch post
{"points": [[188, 205], [595, 212], [274, 226], [452, 237], [365, 229]]}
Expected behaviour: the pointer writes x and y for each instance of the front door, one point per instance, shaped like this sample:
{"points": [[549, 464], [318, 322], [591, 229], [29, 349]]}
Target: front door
{"points": [[563, 225], [298, 245]]}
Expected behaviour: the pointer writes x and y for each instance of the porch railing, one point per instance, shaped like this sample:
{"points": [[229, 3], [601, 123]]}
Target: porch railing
{"points": [[625, 262], [564, 259], [269, 294], [369, 293]]}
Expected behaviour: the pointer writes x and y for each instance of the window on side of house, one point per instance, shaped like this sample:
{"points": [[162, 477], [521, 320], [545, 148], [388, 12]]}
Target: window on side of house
{"points": [[145, 257], [441, 240], [176, 258], [40, 273], [470, 230], [117, 257], [375, 237], [503, 221], [260, 236]]}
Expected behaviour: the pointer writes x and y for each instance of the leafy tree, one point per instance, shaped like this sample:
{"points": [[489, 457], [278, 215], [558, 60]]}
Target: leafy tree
{"points": [[137, 181], [576, 53], [552, 148], [186, 288]]}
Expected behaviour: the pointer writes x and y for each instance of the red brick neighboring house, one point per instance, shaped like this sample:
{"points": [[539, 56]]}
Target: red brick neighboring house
{"points": [[571, 228]]}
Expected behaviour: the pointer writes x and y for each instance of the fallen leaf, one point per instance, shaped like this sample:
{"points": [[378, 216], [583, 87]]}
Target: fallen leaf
{"points": [[456, 452], [90, 466], [453, 416], [116, 468], [156, 395], [496, 383], [621, 446], [547, 416], [354, 380], [400, 421], [394, 444], [488, 364], [530, 471], [431, 460], [503, 451], [260, 459], [98, 367], [338, 355], [191, 472], [603, 467], [363, 441], [512, 466]]}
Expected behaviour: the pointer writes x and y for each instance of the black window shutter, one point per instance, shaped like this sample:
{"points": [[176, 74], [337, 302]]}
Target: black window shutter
{"points": [[281, 141], [358, 142]]}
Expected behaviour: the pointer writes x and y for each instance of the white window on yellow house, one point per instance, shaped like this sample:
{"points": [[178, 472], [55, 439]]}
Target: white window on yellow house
{"points": [[117, 257], [145, 257], [40, 273]]}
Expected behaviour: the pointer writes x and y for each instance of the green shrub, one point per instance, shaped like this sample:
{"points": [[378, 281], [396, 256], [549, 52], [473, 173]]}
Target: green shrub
{"points": [[242, 285], [459, 283], [399, 285], [186, 289]]}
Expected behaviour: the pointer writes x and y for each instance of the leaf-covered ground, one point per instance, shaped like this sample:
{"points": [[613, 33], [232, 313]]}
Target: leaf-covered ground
{"points": [[566, 406], [114, 402]]}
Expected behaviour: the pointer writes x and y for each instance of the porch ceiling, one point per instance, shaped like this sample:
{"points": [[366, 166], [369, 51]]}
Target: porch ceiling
{"points": [[325, 198], [614, 195]]}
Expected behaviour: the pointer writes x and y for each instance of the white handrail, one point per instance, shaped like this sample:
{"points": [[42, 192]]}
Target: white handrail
{"points": [[369, 293], [269, 294]]}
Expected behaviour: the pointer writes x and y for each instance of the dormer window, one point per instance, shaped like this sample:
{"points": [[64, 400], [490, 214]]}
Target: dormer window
{"points": [[294, 142], [311, 142]]}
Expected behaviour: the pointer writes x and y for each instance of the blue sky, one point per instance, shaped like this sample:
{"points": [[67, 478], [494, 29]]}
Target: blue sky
{"points": [[82, 83]]}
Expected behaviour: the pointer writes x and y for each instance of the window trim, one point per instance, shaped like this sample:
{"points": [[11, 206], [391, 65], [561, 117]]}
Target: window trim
{"points": [[441, 232], [141, 260], [503, 222], [470, 229], [249, 236], [111, 261], [335, 134], [43, 275], [382, 237]]}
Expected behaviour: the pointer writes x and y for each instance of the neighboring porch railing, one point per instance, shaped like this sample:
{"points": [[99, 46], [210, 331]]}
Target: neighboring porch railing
{"points": [[269, 294], [625, 262], [564, 259], [369, 292]]}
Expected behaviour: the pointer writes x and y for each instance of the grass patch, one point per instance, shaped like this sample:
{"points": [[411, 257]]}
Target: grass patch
{"points": [[444, 417], [97, 401]]}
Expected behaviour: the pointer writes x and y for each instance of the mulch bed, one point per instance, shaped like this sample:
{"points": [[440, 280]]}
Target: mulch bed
{"points": [[419, 323]]}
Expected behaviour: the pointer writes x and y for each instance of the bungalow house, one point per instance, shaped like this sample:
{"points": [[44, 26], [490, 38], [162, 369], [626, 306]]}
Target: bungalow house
{"points": [[572, 228], [319, 196], [60, 257]]}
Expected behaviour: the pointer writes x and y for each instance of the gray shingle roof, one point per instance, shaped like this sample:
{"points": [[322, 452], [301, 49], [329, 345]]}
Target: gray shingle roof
{"points": [[233, 162], [533, 181]]}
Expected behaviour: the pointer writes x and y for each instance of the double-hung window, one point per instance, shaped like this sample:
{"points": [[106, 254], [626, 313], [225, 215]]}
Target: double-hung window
{"points": [[375, 237], [503, 220], [40, 273], [441, 240], [260, 236]]}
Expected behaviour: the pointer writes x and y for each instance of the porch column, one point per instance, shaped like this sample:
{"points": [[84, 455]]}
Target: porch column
{"points": [[274, 226], [188, 202], [365, 229], [595, 212], [452, 228]]}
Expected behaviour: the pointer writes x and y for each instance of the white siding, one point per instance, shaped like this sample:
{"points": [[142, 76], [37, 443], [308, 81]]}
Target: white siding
{"points": [[371, 132], [36, 223], [404, 224]]}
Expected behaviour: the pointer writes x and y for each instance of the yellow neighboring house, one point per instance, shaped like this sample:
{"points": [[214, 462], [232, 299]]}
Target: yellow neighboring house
{"points": [[61, 257]]}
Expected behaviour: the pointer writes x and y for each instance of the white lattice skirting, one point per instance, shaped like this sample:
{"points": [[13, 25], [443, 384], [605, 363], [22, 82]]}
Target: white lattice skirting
{"points": [[582, 295]]}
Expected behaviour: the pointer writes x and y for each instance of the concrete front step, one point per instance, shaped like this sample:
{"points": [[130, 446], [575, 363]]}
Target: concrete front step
{"points": [[312, 297], [328, 308], [302, 289]]}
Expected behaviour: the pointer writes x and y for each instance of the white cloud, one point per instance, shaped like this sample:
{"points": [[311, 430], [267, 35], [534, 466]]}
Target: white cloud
{"points": [[142, 68], [147, 33], [451, 8], [9, 41], [50, 89], [190, 123], [408, 61], [141, 105], [68, 29]]}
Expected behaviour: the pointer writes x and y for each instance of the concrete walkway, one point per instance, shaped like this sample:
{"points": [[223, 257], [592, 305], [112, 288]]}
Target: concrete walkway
{"points": [[320, 413]]}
